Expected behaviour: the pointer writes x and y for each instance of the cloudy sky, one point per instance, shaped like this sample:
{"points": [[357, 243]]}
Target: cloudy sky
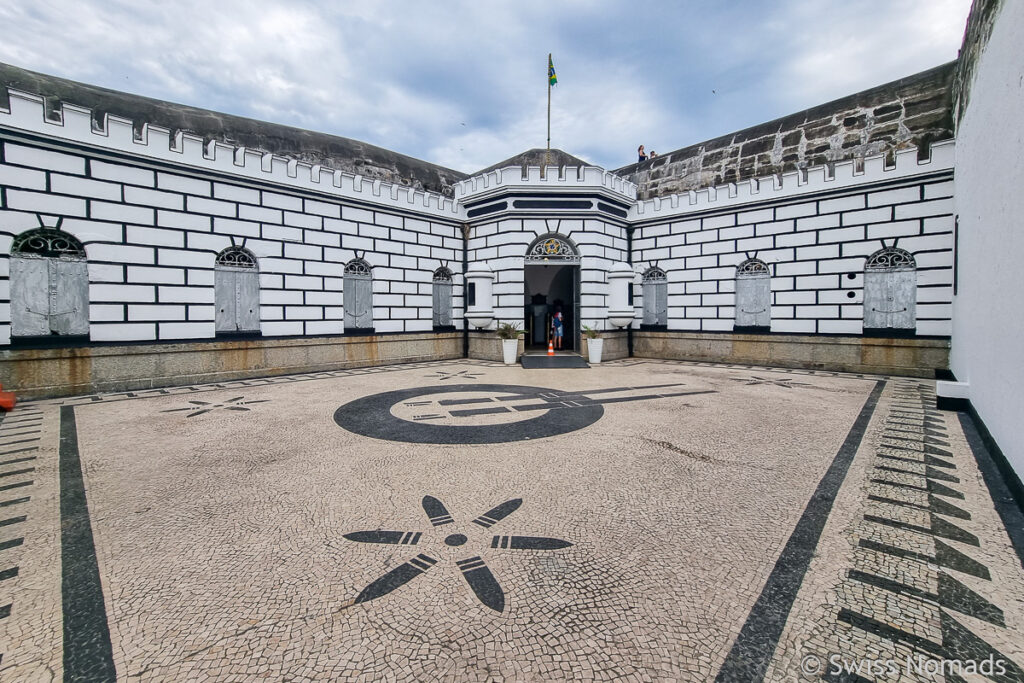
{"points": [[463, 83]]}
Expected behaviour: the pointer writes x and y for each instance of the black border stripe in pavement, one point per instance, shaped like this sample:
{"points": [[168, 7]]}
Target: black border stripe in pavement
{"points": [[88, 654], [754, 647], [1002, 498]]}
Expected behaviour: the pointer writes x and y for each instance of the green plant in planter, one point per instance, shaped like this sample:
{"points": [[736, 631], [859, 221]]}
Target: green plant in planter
{"points": [[508, 330], [591, 332]]}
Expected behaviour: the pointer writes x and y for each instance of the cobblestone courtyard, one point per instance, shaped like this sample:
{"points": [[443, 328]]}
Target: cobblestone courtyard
{"points": [[640, 520]]}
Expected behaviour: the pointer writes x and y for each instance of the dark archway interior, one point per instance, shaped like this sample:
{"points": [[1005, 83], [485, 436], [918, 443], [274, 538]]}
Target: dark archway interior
{"points": [[548, 288]]}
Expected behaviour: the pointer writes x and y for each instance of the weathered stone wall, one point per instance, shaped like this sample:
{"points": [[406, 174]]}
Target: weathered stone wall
{"points": [[911, 112], [43, 373], [883, 356], [979, 28]]}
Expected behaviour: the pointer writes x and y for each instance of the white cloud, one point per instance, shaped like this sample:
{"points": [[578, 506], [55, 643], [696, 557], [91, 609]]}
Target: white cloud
{"points": [[462, 83]]}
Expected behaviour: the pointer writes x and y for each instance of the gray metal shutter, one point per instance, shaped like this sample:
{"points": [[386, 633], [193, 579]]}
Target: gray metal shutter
{"points": [[650, 305], [903, 289], [876, 294], [69, 296], [890, 299], [753, 301], [358, 301], [442, 304], [30, 296], [661, 302], [224, 291], [247, 301]]}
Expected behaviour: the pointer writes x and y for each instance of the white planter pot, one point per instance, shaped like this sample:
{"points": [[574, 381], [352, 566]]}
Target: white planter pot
{"points": [[509, 347], [594, 348]]}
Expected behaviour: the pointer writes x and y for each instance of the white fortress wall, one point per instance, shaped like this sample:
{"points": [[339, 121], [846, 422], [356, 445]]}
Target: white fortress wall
{"points": [[988, 324], [814, 232], [153, 218]]}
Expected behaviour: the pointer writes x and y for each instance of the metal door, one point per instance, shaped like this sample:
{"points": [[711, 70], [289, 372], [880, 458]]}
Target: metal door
{"points": [[224, 291], [661, 302], [69, 296], [753, 297], [442, 303], [574, 340], [903, 293], [655, 294], [650, 305], [890, 299], [247, 301], [358, 301], [30, 305]]}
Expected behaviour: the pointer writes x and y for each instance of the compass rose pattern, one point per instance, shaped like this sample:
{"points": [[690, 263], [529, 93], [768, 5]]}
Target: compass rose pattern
{"points": [[202, 407], [461, 374], [473, 567], [784, 383]]}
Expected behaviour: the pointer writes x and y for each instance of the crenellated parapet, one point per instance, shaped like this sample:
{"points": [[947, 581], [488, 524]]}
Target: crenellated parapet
{"points": [[28, 112], [551, 178], [824, 178]]}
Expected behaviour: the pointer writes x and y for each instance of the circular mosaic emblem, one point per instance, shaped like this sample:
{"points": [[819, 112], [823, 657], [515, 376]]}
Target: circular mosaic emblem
{"points": [[552, 246], [468, 414]]}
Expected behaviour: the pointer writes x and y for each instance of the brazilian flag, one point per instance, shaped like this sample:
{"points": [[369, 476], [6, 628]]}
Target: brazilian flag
{"points": [[552, 78]]}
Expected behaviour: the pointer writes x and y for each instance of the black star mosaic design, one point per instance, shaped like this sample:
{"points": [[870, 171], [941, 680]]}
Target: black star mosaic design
{"points": [[461, 374], [784, 383], [201, 407], [474, 570]]}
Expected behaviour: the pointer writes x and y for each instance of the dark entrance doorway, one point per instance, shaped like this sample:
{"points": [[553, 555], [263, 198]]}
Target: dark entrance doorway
{"points": [[550, 288]]}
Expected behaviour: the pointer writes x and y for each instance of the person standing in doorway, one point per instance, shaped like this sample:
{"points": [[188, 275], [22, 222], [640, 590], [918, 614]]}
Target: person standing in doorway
{"points": [[557, 327]]}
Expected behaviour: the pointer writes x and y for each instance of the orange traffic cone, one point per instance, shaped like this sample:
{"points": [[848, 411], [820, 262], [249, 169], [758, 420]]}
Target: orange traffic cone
{"points": [[551, 348]]}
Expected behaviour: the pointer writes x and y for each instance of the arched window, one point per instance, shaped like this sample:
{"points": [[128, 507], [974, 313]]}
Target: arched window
{"points": [[236, 284], [890, 291], [655, 294], [442, 290], [358, 296], [753, 296], [49, 285], [552, 248]]}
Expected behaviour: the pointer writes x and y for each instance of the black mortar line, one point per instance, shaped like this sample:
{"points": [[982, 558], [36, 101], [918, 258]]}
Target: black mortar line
{"points": [[754, 647], [1005, 504], [88, 653]]}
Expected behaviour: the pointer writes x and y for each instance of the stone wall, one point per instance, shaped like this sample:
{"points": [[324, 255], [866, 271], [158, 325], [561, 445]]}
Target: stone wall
{"points": [[39, 373], [910, 357], [980, 23], [910, 112]]}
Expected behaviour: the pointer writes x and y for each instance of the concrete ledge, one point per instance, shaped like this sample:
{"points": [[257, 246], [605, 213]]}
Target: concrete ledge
{"points": [[43, 373], [616, 346], [877, 355], [487, 346]]}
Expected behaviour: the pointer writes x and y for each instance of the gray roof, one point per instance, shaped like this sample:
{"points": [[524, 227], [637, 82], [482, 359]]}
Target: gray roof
{"points": [[334, 152], [537, 157]]}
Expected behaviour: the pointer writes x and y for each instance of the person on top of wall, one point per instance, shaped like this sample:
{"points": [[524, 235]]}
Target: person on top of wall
{"points": [[557, 327], [653, 154], [640, 153]]}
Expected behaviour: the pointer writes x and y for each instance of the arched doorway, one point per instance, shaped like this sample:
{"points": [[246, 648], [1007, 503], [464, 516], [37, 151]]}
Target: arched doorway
{"points": [[49, 285], [890, 292], [552, 283]]}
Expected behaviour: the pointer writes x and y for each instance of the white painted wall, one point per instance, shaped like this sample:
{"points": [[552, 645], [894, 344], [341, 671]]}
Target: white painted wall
{"points": [[988, 309]]}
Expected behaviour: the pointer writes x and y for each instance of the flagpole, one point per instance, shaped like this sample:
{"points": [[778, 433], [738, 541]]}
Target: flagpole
{"points": [[547, 154]]}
